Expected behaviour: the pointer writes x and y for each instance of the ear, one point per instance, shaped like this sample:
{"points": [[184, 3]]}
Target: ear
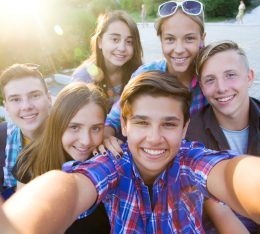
{"points": [[251, 77], [99, 42], [49, 99], [5, 105], [202, 43], [185, 129], [123, 126]]}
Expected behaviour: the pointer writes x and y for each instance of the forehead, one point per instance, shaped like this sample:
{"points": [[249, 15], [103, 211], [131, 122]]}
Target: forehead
{"points": [[180, 23], [89, 114], [118, 27], [157, 107], [225, 60], [23, 86]]}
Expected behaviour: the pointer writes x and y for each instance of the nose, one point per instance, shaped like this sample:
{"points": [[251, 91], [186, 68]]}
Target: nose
{"points": [[85, 138], [27, 104], [221, 85], [121, 45], [179, 47], [154, 135]]}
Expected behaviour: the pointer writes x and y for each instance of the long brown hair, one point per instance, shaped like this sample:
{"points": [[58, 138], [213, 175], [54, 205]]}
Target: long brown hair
{"points": [[46, 152], [97, 57]]}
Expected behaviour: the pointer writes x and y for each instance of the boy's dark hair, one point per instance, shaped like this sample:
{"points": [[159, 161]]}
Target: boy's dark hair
{"points": [[18, 71], [155, 83]]}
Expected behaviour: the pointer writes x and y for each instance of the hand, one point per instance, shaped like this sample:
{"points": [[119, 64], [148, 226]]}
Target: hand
{"points": [[113, 145]]}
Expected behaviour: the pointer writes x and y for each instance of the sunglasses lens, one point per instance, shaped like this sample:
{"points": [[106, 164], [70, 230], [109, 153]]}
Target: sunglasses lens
{"points": [[192, 7], [167, 9]]}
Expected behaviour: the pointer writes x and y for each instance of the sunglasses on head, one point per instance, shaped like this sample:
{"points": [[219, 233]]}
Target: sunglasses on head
{"points": [[190, 7]]}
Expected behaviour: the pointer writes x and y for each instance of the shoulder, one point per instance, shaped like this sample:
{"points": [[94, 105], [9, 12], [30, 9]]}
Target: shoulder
{"points": [[159, 65], [198, 122], [81, 73]]}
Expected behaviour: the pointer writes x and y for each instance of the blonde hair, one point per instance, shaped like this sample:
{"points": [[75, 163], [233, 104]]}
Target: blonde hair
{"points": [[46, 152], [199, 19], [215, 48]]}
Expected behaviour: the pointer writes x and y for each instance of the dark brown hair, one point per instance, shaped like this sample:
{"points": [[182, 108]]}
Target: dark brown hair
{"points": [[155, 83]]}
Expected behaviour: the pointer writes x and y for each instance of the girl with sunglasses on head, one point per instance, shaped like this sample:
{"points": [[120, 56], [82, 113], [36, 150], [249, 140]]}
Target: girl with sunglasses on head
{"points": [[116, 54], [74, 128], [180, 27]]}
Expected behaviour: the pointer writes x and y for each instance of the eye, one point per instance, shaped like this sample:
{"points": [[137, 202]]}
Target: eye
{"points": [[96, 129], [15, 99], [115, 39], [141, 123], [169, 125], [74, 127], [36, 95], [231, 75], [169, 39], [190, 39], [209, 80], [129, 42]]}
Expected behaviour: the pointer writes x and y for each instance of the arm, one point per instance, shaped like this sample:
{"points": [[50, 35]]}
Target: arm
{"points": [[5, 225], [19, 185], [57, 199], [238, 181], [218, 212]]}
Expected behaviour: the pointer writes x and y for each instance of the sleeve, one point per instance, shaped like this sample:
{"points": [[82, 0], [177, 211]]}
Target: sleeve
{"points": [[101, 170], [82, 74], [113, 117], [202, 160]]}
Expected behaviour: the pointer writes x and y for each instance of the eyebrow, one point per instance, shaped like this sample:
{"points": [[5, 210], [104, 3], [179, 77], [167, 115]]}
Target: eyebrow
{"points": [[119, 35], [18, 95], [167, 118]]}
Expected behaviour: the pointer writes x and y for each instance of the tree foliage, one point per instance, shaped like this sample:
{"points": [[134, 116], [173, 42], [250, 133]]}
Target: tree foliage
{"points": [[58, 38]]}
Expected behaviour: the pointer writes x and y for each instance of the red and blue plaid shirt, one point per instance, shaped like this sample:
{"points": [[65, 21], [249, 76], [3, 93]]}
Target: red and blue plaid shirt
{"points": [[198, 99], [178, 193]]}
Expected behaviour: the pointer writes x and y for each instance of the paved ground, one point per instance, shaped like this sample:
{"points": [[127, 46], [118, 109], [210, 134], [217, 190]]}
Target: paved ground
{"points": [[247, 35]]}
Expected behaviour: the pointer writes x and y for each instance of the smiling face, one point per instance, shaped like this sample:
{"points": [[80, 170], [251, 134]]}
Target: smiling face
{"points": [[225, 80], [181, 39], [116, 44], [84, 132], [27, 104], [154, 133]]}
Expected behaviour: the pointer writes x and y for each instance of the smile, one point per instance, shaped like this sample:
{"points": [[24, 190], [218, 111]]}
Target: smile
{"points": [[153, 152], [29, 116], [225, 99], [179, 60]]}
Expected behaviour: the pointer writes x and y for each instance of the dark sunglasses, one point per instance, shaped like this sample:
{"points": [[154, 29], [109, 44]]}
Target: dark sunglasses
{"points": [[190, 7]]}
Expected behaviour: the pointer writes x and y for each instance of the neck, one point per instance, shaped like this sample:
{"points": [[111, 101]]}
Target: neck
{"points": [[114, 75], [184, 77], [235, 122]]}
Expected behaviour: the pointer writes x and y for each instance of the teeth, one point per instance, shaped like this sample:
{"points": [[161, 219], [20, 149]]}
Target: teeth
{"points": [[28, 117], [154, 152], [179, 60], [225, 99]]}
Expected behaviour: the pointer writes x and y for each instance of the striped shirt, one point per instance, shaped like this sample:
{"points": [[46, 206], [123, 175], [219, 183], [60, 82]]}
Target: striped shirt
{"points": [[177, 193], [12, 150], [198, 99]]}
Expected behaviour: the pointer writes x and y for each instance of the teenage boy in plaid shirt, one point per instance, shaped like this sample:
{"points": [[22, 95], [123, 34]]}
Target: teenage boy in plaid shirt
{"points": [[27, 102], [160, 183]]}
